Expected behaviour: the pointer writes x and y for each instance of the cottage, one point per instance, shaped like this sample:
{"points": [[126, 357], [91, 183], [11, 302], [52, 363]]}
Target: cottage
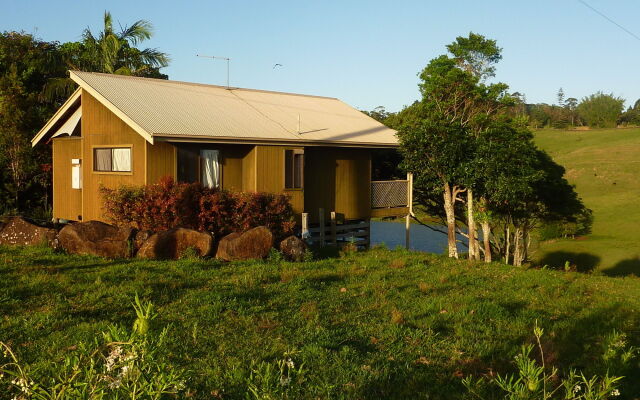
{"points": [[117, 130]]}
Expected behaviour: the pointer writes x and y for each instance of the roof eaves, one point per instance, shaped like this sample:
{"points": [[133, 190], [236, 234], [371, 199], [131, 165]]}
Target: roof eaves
{"points": [[102, 99], [56, 117], [281, 142]]}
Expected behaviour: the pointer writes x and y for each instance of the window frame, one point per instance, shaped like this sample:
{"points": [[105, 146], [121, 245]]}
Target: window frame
{"points": [[295, 151], [112, 147]]}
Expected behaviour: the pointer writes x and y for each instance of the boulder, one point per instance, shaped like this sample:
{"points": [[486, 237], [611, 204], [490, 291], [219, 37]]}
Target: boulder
{"points": [[140, 238], [17, 231], [173, 243], [293, 248], [96, 238], [252, 244]]}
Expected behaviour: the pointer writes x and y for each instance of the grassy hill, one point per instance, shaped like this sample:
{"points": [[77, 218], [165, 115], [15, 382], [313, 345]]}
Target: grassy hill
{"points": [[605, 167], [380, 324]]}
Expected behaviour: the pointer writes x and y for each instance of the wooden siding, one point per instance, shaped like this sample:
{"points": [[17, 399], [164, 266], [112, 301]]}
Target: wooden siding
{"points": [[233, 165], [338, 179], [270, 175], [161, 161], [101, 127], [249, 170], [67, 202]]}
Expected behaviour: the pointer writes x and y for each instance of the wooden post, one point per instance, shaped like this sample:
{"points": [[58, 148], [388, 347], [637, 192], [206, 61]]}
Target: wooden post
{"points": [[305, 226], [322, 226], [367, 243], [407, 223], [334, 239]]}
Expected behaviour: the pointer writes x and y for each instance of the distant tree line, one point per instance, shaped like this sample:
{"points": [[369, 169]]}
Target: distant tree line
{"points": [[599, 110], [34, 83]]}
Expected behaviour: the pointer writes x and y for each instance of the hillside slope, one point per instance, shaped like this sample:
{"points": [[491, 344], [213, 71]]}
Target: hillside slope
{"points": [[375, 325], [604, 165]]}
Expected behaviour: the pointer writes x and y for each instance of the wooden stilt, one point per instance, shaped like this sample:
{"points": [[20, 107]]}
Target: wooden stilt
{"points": [[407, 223], [334, 239], [305, 226]]}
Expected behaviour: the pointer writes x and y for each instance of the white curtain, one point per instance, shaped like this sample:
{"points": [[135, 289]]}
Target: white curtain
{"points": [[210, 168], [121, 160]]}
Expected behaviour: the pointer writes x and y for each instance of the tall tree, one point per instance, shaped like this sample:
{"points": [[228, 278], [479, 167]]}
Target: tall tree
{"points": [[476, 54], [601, 110], [460, 105], [26, 64], [479, 56], [560, 96], [112, 52]]}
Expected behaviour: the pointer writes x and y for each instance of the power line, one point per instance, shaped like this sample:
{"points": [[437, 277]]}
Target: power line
{"points": [[610, 20]]}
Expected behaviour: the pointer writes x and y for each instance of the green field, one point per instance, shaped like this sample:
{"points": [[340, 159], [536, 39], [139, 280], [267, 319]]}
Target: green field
{"points": [[604, 165], [380, 324]]}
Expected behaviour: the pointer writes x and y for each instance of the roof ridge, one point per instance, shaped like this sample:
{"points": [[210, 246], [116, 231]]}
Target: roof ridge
{"points": [[169, 81]]}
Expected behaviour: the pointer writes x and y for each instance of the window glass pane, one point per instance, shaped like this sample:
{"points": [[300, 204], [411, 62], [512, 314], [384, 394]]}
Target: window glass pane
{"points": [[288, 169], [76, 177], [188, 168], [121, 160], [210, 168], [102, 159], [298, 168]]}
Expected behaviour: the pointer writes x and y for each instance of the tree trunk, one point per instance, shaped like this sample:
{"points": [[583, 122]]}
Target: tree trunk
{"points": [[526, 238], [486, 235], [449, 209], [506, 251], [474, 250], [516, 248]]}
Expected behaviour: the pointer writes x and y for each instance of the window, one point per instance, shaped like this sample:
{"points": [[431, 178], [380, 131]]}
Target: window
{"points": [[112, 159], [76, 174], [293, 169]]}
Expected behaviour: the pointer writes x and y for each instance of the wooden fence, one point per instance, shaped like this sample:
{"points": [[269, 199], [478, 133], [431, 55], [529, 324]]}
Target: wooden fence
{"points": [[357, 232]]}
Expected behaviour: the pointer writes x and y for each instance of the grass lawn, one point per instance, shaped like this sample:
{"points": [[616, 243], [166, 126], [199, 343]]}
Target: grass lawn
{"points": [[605, 167], [379, 324]]}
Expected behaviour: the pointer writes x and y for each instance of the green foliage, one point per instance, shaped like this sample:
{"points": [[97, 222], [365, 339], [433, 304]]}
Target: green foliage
{"points": [[145, 314], [600, 110], [26, 64], [536, 380], [276, 380], [631, 116], [121, 365], [476, 54], [115, 52]]}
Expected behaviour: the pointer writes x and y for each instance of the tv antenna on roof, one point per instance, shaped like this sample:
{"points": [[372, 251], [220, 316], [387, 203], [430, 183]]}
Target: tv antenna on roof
{"points": [[227, 59]]}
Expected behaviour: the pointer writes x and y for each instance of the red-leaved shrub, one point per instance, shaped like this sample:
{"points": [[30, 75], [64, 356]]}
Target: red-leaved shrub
{"points": [[167, 204]]}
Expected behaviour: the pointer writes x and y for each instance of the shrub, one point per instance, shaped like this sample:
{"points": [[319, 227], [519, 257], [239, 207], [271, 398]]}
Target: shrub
{"points": [[167, 204]]}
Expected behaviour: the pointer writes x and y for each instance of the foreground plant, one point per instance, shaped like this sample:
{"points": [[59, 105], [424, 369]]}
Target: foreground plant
{"points": [[281, 379], [536, 381], [125, 365]]}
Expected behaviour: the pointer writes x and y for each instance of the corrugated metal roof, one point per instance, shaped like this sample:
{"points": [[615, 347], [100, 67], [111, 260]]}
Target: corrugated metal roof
{"points": [[188, 110]]}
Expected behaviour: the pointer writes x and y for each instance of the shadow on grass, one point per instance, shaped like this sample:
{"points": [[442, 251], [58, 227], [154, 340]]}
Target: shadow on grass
{"points": [[625, 267], [583, 262]]}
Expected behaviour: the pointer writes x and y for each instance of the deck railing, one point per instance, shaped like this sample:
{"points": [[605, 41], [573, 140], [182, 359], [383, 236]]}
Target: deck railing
{"points": [[389, 194]]}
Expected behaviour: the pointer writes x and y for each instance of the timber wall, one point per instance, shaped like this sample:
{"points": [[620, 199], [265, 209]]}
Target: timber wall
{"points": [[67, 202], [101, 127], [338, 179]]}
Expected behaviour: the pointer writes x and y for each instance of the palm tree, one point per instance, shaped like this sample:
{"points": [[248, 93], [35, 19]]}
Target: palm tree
{"points": [[116, 53], [109, 52]]}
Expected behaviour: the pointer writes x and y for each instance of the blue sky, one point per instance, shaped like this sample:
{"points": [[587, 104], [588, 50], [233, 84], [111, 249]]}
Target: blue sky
{"points": [[366, 52]]}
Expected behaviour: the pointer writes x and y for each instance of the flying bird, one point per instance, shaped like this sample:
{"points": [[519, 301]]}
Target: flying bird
{"points": [[277, 65]]}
